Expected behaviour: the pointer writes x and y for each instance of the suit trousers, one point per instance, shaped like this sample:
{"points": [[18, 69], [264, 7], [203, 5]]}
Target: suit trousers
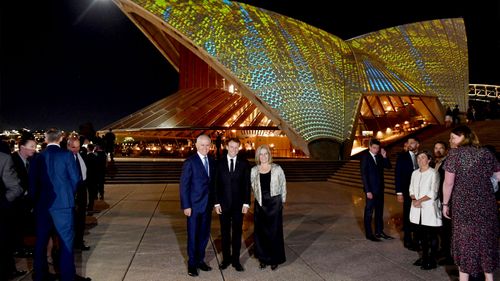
{"points": [[80, 213], [376, 204], [62, 221], [408, 227], [198, 230], [231, 222]]}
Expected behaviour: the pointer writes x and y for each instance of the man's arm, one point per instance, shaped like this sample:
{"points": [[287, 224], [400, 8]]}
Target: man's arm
{"points": [[364, 173], [185, 187], [10, 180]]}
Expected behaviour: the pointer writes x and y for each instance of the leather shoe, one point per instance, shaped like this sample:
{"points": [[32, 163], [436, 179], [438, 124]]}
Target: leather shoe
{"points": [[447, 261], [373, 238], [81, 278], [262, 265], [428, 265], [274, 267], [192, 271], [204, 267], [383, 236], [418, 262], [17, 273], [224, 265], [238, 267], [84, 247]]}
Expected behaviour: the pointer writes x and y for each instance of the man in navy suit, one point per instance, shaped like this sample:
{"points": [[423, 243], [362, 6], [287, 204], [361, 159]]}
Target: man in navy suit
{"points": [[372, 174], [53, 181], [232, 201], [406, 163], [196, 192]]}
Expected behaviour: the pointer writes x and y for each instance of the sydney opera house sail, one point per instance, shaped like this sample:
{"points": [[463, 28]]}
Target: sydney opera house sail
{"points": [[310, 85]]}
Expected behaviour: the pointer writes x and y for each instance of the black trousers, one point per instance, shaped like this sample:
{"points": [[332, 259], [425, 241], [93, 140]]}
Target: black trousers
{"points": [[408, 227], [80, 214], [427, 235], [376, 204], [231, 223]]}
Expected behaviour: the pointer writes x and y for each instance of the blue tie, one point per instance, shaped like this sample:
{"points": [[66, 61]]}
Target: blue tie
{"points": [[205, 163]]}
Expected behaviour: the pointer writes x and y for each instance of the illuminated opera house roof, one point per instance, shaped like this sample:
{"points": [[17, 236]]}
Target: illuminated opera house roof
{"points": [[248, 68]]}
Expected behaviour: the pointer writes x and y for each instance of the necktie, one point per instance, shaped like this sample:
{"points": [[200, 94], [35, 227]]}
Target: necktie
{"points": [[231, 169], [27, 164], [375, 159], [78, 167], [205, 163], [415, 163]]}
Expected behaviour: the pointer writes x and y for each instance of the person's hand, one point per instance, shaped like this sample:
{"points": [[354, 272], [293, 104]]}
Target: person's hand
{"points": [[416, 204], [446, 211], [383, 153], [218, 209], [244, 209], [187, 212], [400, 198], [369, 195]]}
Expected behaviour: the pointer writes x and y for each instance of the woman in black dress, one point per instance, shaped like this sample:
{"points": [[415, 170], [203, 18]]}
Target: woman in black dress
{"points": [[269, 188]]}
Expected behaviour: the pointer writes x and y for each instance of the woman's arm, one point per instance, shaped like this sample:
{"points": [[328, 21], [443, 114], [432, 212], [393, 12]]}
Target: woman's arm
{"points": [[449, 181]]}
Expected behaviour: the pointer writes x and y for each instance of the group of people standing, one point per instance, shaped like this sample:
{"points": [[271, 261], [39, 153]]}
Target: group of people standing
{"points": [[50, 195], [448, 201], [226, 185]]}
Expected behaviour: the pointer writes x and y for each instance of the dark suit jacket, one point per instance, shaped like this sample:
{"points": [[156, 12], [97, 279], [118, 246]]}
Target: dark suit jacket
{"points": [[21, 171], [232, 189], [404, 169], [373, 174], [196, 187], [10, 188], [53, 179]]}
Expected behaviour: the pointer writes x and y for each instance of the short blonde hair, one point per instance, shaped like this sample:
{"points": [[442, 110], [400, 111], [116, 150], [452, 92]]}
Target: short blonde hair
{"points": [[257, 154]]}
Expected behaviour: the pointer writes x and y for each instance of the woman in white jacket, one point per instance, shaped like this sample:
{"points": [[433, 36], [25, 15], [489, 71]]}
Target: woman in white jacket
{"points": [[425, 210]]}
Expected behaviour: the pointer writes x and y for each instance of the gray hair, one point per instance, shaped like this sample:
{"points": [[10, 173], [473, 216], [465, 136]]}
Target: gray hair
{"points": [[53, 135]]}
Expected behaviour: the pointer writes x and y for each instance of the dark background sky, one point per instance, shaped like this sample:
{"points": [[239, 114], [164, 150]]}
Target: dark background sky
{"points": [[64, 63]]}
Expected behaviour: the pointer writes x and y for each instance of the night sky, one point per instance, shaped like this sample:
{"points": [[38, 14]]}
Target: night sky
{"points": [[65, 63]]}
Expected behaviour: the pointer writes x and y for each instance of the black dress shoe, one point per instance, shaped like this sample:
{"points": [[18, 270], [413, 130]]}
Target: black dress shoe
{"points": [[373, 238], [418, 262], [224, 265], [262, 265], [428, 265], [274, 267], [81, 278], [447, 261], [204, 267], [17, 273], [382, 235], [192, 271], [84, 247], [238, 267]]}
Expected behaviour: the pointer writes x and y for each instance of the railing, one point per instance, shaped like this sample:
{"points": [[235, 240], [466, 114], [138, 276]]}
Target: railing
{"points": [[484, 91]]}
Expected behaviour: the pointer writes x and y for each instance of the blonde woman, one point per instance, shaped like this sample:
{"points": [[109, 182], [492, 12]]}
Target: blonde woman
{"points": [[269, 188]]}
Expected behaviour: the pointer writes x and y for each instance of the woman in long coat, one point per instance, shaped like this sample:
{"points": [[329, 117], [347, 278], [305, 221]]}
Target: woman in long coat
{"points": [[269, 188]]}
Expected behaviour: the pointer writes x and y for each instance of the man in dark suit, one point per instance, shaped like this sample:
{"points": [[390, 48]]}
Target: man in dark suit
{"points": [[53, 180], [81, 195], [406, 163], [23, 219], [232, 201], [372, 173], [196, 194], [10, 189]]}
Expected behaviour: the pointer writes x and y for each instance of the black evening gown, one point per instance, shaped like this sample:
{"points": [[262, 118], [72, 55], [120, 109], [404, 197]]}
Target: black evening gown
{"points": [[268, 225]]}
